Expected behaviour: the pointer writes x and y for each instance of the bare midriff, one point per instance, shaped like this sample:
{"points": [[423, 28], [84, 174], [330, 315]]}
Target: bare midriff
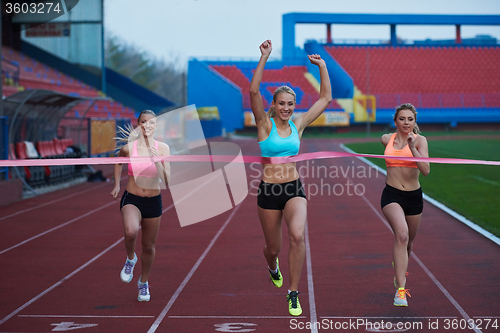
{"points": [[279, 173]]}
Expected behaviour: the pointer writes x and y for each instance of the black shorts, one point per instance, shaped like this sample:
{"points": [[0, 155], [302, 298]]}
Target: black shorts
{"points": [[149, 207], [275, 196], [411, 201]]}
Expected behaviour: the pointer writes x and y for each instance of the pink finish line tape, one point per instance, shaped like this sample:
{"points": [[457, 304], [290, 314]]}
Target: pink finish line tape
{"points": [[228, 159]]}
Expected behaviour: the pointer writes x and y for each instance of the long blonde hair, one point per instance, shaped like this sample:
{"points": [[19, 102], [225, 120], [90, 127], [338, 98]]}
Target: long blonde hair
{"points": [[410, 107], [278, 91], [128, 133]]}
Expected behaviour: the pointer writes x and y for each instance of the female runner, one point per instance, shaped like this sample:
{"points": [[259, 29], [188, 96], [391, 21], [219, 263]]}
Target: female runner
{"points": [[280, 192], [141, 204], [401, 201]]}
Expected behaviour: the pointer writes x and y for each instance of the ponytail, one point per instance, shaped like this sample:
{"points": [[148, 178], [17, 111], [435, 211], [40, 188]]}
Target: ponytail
{"points": [[272, 112], [416, 130], [125, 135]]}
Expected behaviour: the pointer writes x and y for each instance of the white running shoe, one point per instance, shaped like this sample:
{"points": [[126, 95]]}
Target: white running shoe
{"points": [[400, 297], [127, 272], [144, 295]]}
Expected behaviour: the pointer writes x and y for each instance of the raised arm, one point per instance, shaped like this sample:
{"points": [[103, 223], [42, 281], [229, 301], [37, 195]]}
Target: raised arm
{"points": [[261, 119], [325, 95]]}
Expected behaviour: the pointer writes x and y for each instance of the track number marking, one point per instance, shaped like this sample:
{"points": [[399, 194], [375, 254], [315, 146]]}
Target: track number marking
{"points": [[69, 326], [235, 327]]}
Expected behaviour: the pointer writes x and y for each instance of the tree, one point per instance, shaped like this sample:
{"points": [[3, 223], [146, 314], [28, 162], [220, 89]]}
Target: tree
{"points": [[164, 78]]}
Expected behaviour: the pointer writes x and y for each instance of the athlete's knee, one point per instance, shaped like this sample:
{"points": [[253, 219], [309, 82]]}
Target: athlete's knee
{"points": [[272, 251], [148, 248], [131, 233], [296, 238], [402, 237]]}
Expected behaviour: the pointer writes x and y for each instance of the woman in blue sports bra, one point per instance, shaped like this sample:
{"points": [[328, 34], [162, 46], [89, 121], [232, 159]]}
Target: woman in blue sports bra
{"points": [[140, 204], [280, 192]]}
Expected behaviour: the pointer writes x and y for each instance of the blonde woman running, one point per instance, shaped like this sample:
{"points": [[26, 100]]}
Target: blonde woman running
{"points": [[401, 200], [141, 204], [280, 193]]}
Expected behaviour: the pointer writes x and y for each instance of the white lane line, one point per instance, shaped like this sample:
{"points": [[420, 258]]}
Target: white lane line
{"points": [[433, 278], [440, 286], [59, 226], [484, 180], [386, 317], [168, 208], [53, 201], [234, 317], [436, 203], [310, 284], [88, 213], [164, 312], [80, 316], [464, 220], [67, 277], [34, 299]]}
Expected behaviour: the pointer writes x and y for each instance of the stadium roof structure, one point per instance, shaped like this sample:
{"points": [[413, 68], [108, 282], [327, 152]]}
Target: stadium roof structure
{"points": [[35, 114], [291, 19]]}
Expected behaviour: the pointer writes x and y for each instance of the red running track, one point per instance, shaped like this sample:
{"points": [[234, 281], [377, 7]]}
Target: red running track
{"points": [[61, 254]]}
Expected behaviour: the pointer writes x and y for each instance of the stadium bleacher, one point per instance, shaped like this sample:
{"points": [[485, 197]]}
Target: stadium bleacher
{"points": [[35, 75], [430, 77], [426, 76], [292, 76]]}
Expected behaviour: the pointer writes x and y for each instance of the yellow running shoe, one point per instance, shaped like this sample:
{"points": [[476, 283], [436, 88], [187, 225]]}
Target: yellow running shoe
{"points": [[400, 297], [277, 279], [293, 303]]}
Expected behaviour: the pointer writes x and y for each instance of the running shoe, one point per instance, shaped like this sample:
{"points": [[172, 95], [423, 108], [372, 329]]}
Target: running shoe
{"points": [[277, 279], [127, 272], [144, 295], [400, 297], [293, 303]]}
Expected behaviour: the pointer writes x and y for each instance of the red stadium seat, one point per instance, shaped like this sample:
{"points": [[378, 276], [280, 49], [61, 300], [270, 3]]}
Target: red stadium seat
{"points": [[428, 77], [21, 153], [58, 145], [424, 70], [21, 150]]}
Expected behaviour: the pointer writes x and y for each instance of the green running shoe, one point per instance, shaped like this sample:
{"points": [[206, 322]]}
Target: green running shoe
{"points": [[293, 303], [277, 279]]}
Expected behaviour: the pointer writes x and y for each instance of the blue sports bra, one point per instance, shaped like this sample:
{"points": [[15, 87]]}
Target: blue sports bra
{"points": [[275, 145]]}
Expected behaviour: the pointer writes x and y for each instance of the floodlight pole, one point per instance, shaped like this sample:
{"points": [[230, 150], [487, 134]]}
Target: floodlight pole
{"points": [[103, 56], [367, 91]]}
